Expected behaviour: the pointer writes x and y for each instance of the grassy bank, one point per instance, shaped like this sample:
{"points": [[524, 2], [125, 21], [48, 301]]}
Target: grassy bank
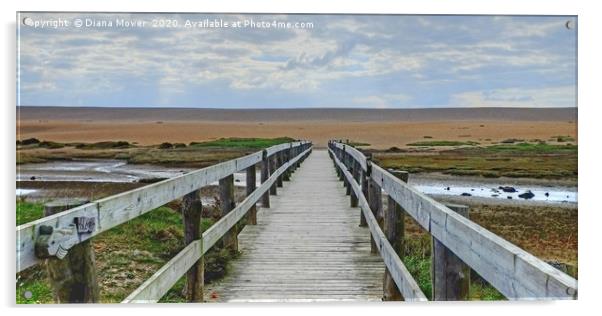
{"points": [[126, 255], [520, 160]]}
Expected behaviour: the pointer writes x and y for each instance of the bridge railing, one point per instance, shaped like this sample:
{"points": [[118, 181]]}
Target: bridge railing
{"points": [[515, 273], [57, 235]]}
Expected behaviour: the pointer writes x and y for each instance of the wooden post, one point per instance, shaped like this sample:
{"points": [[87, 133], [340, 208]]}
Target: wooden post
{"points": [[191, 213], [339, 169], [265, 174], [73, 278], [376, 206], [347, 162], [279, 162], [451, 276], [251, 186], [287, 158], [226, 188], [294, 153], [365, 192], [272, 164], [394, 231], [355, 172]]}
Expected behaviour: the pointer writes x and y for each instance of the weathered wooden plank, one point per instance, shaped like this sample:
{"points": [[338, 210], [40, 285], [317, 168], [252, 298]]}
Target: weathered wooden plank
{"points": [[512, 271], [272, 166], [117, 209], [375, 205], [393, 228], [226, 204], [156, 286], [402, 277]]}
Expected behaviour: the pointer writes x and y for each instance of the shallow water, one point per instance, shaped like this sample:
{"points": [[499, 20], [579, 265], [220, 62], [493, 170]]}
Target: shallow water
{"points": [[94, 170], [25, 192], [550, 194]]}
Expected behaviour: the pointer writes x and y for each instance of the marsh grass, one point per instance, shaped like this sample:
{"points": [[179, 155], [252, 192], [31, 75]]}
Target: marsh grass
{"points": [[443, 143], [521, 160], [236, 142]]}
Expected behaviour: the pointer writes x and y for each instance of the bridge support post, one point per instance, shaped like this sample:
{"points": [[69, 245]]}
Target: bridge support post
{"points": [[191, 214], [226, 188], [394, 231], [355, 172], [265, 174], [366, 192], [287, 157], [450, 276], [347, 163], [251, 179], [376, 206], [293, 166], [73, 278], [272, 166], [297, 163], [279, 162]]}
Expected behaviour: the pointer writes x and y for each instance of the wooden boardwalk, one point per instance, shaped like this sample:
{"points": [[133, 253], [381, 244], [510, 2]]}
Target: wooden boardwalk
{"points": [[307, 247]]}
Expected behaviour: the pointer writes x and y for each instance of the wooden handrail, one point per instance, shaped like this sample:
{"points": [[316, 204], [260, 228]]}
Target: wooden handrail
{"points": [[517, 274], [117, 209]]}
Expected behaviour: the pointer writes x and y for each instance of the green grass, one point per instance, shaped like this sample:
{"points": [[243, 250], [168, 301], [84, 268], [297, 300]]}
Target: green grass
{"points": [[420, 269], [36, 289], [442, 143], [484, 292], [537, 148], [27, 212], [235, 142], [357, 144]]}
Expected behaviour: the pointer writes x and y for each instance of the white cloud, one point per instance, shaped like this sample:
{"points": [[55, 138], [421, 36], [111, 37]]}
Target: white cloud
{"points": [[382, 101]]}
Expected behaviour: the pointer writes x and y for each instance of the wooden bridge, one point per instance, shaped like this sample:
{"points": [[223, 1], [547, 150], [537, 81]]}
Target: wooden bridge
{"points": [[307, 246], [329, 230]]}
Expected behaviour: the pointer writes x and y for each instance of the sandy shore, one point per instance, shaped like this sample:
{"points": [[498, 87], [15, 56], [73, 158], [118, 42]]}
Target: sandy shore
{"points": [[380, 135], [380, 128]]}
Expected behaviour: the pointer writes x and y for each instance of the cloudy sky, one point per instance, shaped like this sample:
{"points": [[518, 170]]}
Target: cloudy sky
{"points": [[334, 61]]}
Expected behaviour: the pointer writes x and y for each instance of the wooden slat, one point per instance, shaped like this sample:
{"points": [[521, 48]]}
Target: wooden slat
{"points": [[117, 209], [514, 272], [405, 282], [155, 287]]}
